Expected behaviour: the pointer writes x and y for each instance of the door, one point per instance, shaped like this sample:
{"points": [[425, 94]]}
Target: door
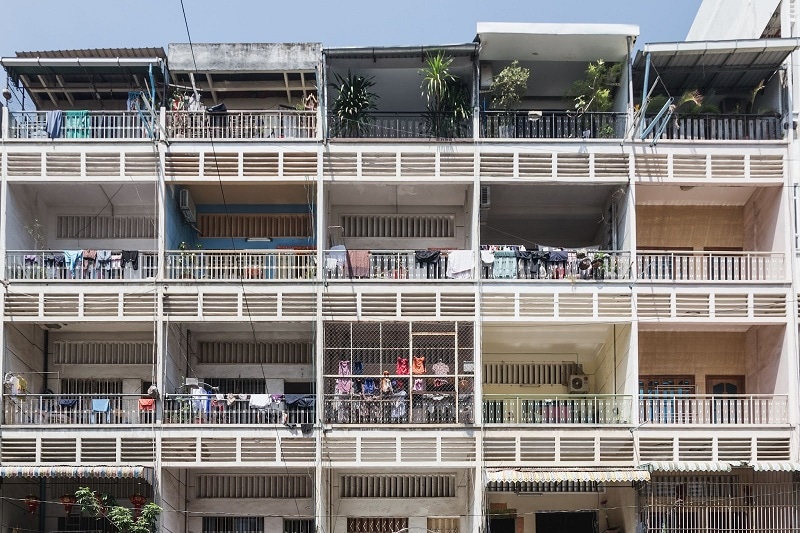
{"points": [[504, 524], [577, 522], [727, 407]]}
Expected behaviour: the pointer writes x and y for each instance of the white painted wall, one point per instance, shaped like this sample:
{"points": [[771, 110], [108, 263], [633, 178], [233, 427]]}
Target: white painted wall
{"points": [[731, 19], [173, 496]]}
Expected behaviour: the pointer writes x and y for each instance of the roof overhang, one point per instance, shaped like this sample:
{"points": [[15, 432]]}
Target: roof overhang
{"points": [[111, 472], [56, 79], [690, 466], [247, 70], [503, 41], [557, 476], [400, 52], [719, 66]]}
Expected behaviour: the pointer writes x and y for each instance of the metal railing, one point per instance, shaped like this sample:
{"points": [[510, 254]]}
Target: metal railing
{"points": [[572, 265], [400, 408], [77, 409], [280, 124], [589, 409], [198, 409], [52, 265], [552, 125], [241, 264], [87, 125], [695, 409], [383, 264], [715, 127], [402, 125], [710, 266]]}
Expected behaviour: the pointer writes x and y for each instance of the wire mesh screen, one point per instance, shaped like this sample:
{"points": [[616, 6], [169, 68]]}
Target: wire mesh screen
{"points": [[711, 503], [399, 372]]}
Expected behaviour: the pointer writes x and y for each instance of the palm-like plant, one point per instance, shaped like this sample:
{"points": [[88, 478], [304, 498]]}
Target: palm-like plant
{"points": [[353, 104], [447, 95]]}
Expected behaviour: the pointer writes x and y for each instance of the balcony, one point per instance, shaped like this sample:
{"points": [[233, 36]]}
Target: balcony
{"points": [[75, 125], [290, 409], [431, 407], [552, 125], [703, 409], [556, 265], [75, 265], [593, 410], [714, 127], [77, 409], [248, 265], [403, 125], [665, 265], [242, 125], [392, 265]]}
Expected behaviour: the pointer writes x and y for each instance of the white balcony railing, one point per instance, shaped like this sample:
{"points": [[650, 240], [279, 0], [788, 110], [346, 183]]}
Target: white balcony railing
{"points": [[211, 409], [703, 409], [75, 265], [710, 266], [400, 408], [47, 125], [553, 265], [241, 264], [595, 409], [77, 409], [386, 264], [237, 125]]}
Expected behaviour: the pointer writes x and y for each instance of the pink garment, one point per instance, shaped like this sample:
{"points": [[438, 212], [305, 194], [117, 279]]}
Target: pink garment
{"points": [[402, 366], [358, 263]]}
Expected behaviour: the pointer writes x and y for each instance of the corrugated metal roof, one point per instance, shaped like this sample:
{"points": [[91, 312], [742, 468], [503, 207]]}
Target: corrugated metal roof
{"points": [[97, 53], [115, 472], [721, 66], [689, 466], [776, 467]]}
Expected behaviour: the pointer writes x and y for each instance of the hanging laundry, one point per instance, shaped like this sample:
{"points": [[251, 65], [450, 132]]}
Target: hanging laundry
{"points": [[72, 259], [418, 365], [358, 367], [76, 125], [89, 259], [401, 366], [260, 401], [344, 367], [460, 264], [358, 263], [53, 122], [132, 257]]}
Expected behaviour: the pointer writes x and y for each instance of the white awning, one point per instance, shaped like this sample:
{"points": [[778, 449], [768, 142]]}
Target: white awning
{"points": [[688, 466], [776, 467], [555, 476], [114, 472]]}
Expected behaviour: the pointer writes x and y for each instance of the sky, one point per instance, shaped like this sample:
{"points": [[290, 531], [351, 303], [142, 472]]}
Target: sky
{"points": [[35, 25]]}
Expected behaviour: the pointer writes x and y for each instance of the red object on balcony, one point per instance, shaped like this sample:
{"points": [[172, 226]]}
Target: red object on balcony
{"points": [[138, 501], [32, 503], [67, 501]]}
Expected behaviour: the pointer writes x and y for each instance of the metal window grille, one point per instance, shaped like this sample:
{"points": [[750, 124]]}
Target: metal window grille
{"points": [[298, 526], [376, 525], [233, 524], [105, 227], [91, 386]]}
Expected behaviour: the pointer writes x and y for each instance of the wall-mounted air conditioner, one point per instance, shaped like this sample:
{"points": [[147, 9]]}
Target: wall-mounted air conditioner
{"points": [[188, 209], [578, 383]]}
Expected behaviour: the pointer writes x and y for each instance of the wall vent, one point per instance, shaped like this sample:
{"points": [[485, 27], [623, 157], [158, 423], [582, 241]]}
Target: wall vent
{"points": [[105, 227], [254, 486], [398, 486], [220, 352], [529, 373], [399, 226], [102, 353], [255, 225]]}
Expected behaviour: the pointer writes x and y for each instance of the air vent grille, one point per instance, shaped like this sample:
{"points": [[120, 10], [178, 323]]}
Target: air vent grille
{"points": [[529, 373], [398, 486], [254, 486], [398, 226], [105, 227]]}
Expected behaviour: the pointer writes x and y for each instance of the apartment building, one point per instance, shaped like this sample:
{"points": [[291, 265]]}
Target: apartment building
{"points": [[226, 296]]}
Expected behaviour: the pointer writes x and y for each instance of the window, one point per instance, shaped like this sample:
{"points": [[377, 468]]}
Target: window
{"points": [[233, 524], [298, 526], [376, 525], [668, 385]]}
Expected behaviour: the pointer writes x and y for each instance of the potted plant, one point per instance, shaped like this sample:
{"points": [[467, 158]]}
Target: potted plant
{"points": [[448, 98], [595, 94], [508, 88], [352, 106], [188, 264]]}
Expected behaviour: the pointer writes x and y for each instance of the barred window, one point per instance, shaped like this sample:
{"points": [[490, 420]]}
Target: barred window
{"points": [[233, 524], [298, 526], [376, 525]]}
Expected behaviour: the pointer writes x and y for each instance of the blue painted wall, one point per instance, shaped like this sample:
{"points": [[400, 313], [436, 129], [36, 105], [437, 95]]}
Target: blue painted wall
{"points": [[179, 231]]}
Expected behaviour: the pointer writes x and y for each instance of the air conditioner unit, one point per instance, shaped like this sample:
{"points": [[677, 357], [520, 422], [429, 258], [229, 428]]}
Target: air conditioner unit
{"points": [[578, 383], [486, 197], [187, 206]]}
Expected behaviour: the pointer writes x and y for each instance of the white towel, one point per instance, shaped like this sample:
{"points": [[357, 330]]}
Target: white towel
{"points": [[460, 264], [260, 401], [487, 257]]}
